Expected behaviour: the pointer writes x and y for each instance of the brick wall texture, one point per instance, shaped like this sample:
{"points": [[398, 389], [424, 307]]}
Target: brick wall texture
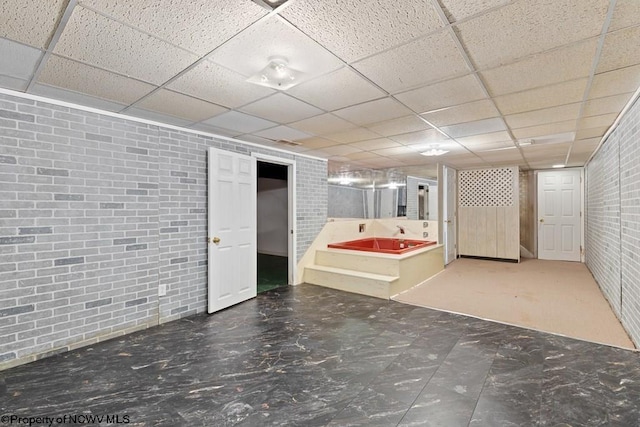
{"points": [[96, 212], [612, 221]]}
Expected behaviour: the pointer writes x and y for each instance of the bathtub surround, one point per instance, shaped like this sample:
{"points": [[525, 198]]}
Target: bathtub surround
{"points": [[612, 220], [312, 356], [97, 212]]}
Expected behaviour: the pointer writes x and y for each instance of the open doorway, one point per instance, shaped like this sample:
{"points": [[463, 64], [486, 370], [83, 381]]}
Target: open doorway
{"points": [[272, 226]]}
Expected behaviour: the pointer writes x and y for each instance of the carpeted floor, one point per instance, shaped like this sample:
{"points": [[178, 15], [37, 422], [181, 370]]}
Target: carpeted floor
{"points": [[272, 272], [551, 296]]}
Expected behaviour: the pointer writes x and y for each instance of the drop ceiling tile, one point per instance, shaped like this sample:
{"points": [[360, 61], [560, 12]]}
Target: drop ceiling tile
{"points": [[281, 108], [341, 150], [544, 130], [605, 120], [18, 60], [249, 51], [70, 75], [352, 135], [625, 14], [473, 111], [609, 104], [541, 152], [542, 97], [615, 82], [76, 97], [93, 39], [353, 29], [179, 105], [461, 9], [620, 50], [501, 156], [345, 86], [585, 145], [501, 145], [524, 28], [157, 117], [282, 133], [259, 140], [31, 22], [399, 126], [240, 122], [375, 144], [13, 83], [204, 127], [546, 115], [422, 61], [216, 84], [195, 25], [373, 111], [444, 94], [316, 142], [475, 128], [485, 138], [363, 155], [383, 162], [429, 136], [568, 63], [323, 124], [578, 159]]}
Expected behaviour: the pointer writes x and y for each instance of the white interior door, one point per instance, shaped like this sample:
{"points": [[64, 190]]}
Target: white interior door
{"points": [[232, 229], [449, 213], [559, 204]]}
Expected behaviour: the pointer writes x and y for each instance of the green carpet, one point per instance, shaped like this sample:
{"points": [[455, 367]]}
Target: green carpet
{"points": [[272, 272]]}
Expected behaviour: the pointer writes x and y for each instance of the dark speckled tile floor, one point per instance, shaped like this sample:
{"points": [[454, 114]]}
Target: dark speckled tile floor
{"points": [[311, 356]]}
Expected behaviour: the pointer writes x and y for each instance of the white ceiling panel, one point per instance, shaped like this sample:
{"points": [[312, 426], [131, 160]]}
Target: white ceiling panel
{"points": [[239, 122], [216, 84], [473, 111], [373, 111], [70, 75], [352, 135], [475, 128], [13, 83], [524, 28], [195, 25], [591, 132], [546, 115], [158, 117], [430, 136], [605, 120], [204, 127], [375, 144], [354, 29], [512, 155], [363, 155], [609, 104], [341, 150], [422, 61], [502, 145], [539, 152], [399, 126], [76, 97], [316, 142], [445, 94], [461, 9], [31, 22], [179, 105], [323, 124], [281, 108], [18, 60], [346, 88], [615, 82], [546, 69], [542, 97], [545, 130], [625, 14], [585, 145], [104, 43], [486, 138], [620, 50], [249, 51], [282, 132]]}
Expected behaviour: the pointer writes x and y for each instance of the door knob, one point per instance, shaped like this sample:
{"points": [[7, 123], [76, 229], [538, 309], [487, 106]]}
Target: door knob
{"points": [[215, 240], [541, 220]]}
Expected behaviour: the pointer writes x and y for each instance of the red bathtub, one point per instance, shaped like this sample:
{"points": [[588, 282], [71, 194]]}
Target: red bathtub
{"points": [[383, 245]]}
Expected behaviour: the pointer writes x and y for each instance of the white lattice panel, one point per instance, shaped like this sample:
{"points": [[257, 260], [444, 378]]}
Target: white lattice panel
{"points": [[486, 187]]}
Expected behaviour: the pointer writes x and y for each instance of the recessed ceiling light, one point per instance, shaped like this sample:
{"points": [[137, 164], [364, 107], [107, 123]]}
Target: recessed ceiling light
{"points": [[558, 166]]}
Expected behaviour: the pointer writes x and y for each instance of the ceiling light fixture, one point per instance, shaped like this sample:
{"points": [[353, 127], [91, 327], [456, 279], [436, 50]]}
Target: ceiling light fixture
{"points": [[557, 166], [434, 152], [277, 75], [270, 4]]}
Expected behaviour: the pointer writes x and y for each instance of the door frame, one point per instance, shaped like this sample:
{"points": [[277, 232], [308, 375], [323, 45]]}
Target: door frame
{"points": [[291, 201], [443, 184], [582, 208]]}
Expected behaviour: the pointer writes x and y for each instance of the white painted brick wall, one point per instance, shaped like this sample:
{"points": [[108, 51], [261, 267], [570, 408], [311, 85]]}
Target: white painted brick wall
{"points": [[612, 222], [95, 212]]}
